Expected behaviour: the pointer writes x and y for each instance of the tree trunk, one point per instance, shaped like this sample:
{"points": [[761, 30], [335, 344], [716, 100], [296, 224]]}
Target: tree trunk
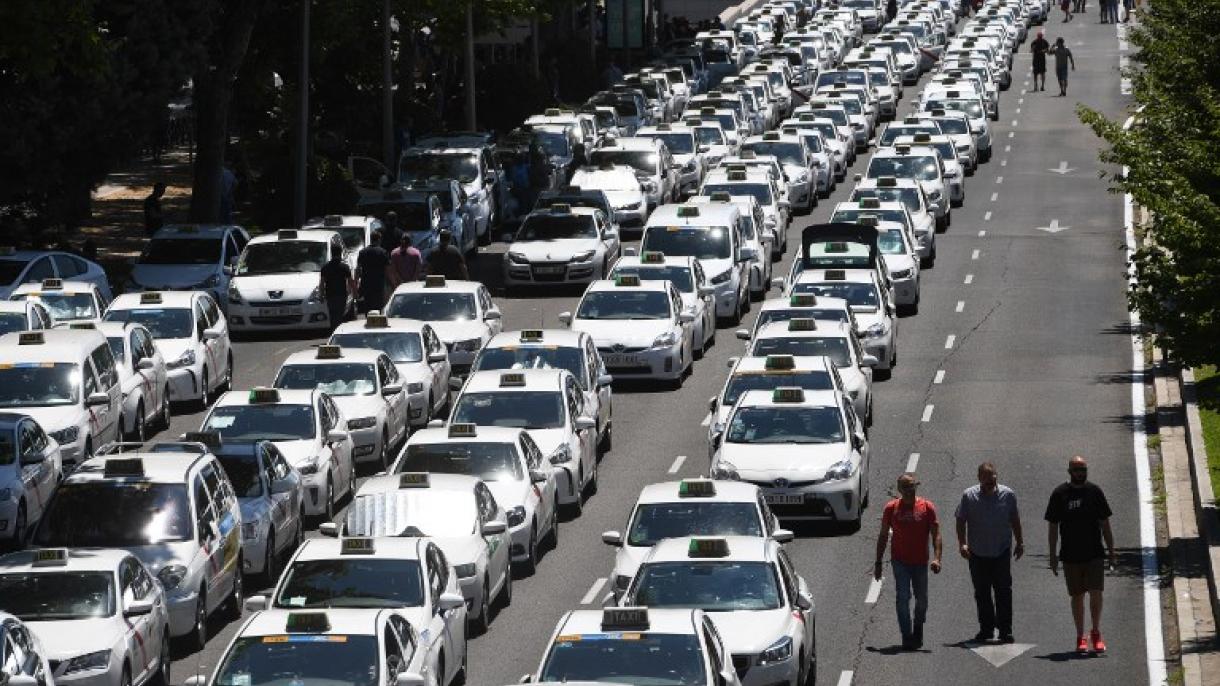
{"points": [[213, 94]]}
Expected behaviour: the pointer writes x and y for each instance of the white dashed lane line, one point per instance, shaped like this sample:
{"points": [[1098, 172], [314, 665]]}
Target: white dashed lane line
{"points": [[940, 377], [844, 678], [974, 255], [1007, 148], [677, 464], [1015, 123], [927, 417], [969, 279], [994, 196], [949, 341], [999, 179], [1003, 163], [984, 232], [961, 305], [1012, 134], [912, 462], [593, 591], [986, 218]]}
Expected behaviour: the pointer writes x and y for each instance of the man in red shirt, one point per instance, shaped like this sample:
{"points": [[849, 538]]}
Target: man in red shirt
{"points": [[913, 522]]}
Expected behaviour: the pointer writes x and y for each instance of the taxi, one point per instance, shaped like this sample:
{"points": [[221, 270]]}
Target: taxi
{"points": [[811, 372], [355, 230], [377, 647], [170, 505], [461, 312], [561, 245], [955, 175], [806, 449], [100, 616], [549, 405], [365, 384], [458, 513], [67, 380], [757, 241], [24, 315], [306, 426], [511, 465], [922, 164], [192, 335], [277, 284], [417, 353], [143, 376], [956, 125], [687, 276], [799, 175], [799, 306], [682, 144], [272, 502], [574, 351], [189, 257], [627, 206], [895, 256], [766, 190], [67, 301], [871, 303], [641, 328], [27, 662], [636, 645], [411, 574], [749, 588], [875, 197], [30, 469], [691, 507], [710, 234]]}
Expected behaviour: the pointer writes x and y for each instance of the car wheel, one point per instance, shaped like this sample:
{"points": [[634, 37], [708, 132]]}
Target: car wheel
{"points": [[162, 677], [237, 597], [125, 680], [385, 450], [591, 487], [140, 431], [531, 560], [269, 570], [164, 416], [607, 440], [199, 637], [553, 533], [329, 505], [479, 624], [19, 527], [203, 395], [88, 453], [578, 506], [459, 679], [228, 384], [506, 591]]}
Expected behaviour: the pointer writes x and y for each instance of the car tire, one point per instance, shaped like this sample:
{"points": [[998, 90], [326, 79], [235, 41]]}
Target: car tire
{"points": [[328, 507], [385, 450], [479, 625], [552, 535], [506, 591], [162, 677], [203, 395], [269, 564], [459, 679], [531, 552], [164, 418], [20, 524], [228, 384], [199, 635], [607, 440], [125, 679], [237, 597], [140, 430], [577, 507]]}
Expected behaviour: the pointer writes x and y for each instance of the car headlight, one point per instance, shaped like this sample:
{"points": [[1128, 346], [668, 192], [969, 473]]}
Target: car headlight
{"points": [[517, 258], [415, 387], [665, 340], [234, 294], [470, 345], [308, 468], [516, 515], [778, 652], [315, 296], [362, 423], [68, 435], [841, 470], [726, 471], [467, 570], [249, 531], [584, 256], [561, 455], [875, 330], [185, 360], [171, 576], [902, 274], [81, 663], [722, 277]]}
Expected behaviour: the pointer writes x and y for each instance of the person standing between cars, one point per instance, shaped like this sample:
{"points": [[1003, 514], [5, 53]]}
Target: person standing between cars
{"points": [[1063, 56], [406, 262], [446, 260], [1039, 47], [914, 524], [336, 285], [1078, 520], [154, 216], [891, 9], [373, 272], [579, 159], [390, 233], [987, 522]]}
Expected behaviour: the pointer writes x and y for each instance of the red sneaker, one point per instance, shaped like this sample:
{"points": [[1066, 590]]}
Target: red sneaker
{"points": [[1082, 644], [1099, 646]]}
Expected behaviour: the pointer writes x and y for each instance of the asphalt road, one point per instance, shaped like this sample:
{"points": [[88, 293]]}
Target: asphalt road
{"points": [[1037, 370]]}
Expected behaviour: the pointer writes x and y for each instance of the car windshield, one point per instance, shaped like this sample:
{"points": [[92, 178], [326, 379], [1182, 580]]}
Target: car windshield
{"points": [[11, 269], [812, 139], [624, 304], [678, 143], [760, 191], [897, 216], [413, 512], [655, 521], [554, 143], [803, 425], [519, 410], [857, 294], [13, 321], [643, 161], [182, 251], [65, 307], [271, 422], [836, 115], [617, 179], [709, 135], [49, 597], [783, 315], [488, 461], [769, 381], [700, 242], [720, 586], [351, 582], [353, 236], [433, 307], [532, 357], [282, 257], [38, 384], [890, 242], [922, 167], [175, 322], [649, 659], [328, 660], [892, 133], [115, 514], [242, 471], [859, 4], [907, 195], [413, 216], [680, 277], [463, 167], [787, 153], [831, 346], [340, 379], [954, 126], [400, 346], [555, 227]]}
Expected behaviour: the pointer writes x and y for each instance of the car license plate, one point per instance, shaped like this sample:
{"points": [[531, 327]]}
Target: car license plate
{"points": [[549, 270], [785, 499], [623, 360], [277, 311]]}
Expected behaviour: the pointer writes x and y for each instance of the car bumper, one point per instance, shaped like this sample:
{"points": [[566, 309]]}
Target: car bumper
{"points": [[906, 291], [630, 218], [879, 348], [181, 607], [184, 385], [305, 316], [314, 502], [529, 275], [472, 591], [957, 191], [253, 555], [112, 675], [771, 674], [798, 193], [567, 485], [651, 363], [519, 539], [833, 500], [366, 443]]}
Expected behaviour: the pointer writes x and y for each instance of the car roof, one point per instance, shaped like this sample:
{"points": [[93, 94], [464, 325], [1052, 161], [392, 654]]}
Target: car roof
{"points": [[482, 434], [859, 275], [825, 329], [451, 285], [393, 325], [393, 547], [170, 466], [564, 338], [533, 380], [803, 364], [345, 621], [637, 261], [718, 214], [741, 548], [726, 492], [332, 221], [346, 356], [632, 143], [823, 303], [78, 560], [175, 231], [287, 397], [59, 345], [168, 299], [755, 398], [660, 621], [21, 306], [311, 235], [69, 287]]}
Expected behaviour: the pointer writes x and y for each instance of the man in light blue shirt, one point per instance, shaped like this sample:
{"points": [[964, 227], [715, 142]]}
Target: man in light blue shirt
{"points": [[987, 522]]}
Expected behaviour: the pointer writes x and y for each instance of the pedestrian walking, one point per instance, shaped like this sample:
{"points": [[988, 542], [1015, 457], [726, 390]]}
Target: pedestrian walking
{"points": [[1039, 47], [1066, 6], [446, 260], [406, 261], [1063, 56], [913, 524], [987, 523], [579, 159], [154, 216], [1078, 520], [337, 285], [891, 9], [1128, 8], [372, 272]]}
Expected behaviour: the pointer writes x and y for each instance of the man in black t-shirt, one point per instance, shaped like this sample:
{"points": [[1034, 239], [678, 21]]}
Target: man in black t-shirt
{"points": [[1078, 519], [336, 285], [446, 260], [372, 269]]}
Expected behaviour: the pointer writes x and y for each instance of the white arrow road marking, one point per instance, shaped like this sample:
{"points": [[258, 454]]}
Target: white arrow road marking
{"points": [[998, 654], [677, 464], [874, 591], [593, 591], [1063, 169], [1054, 227]]}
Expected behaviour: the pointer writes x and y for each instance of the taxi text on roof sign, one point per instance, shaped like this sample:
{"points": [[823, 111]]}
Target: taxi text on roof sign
{"points": [[652, 257], [624, 618], [127, 466], [737, 176], [512, 379], [803, 300], [264, 395], [209, 438], [83, 326], [836, 247], [887, 181], [52, 284], [802, 324], [788, 394], [329, 352], [561, 208], [286, 234], [779, 362], [868, 220], [688, 211], [463, 430], [414, 480], [30, 338], [708, 547], [696, 488], [50, 557], [531, 335], [626, 280], [332, 220], [376, 320], [357, 546], [307, 622], [870, 203], [150, 298], [434, 281]]}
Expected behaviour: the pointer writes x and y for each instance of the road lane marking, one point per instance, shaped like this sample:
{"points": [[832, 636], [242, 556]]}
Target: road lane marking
{"points": [[1020, 101], [961, 305], [874, 592], [1003, 163], [969, 279], [974, 255], [1007, 148], [912, 462], [994, 196], [1053, 228], [677, 464], [844, 678], [1017, 111], [1014, 122], [940, 377], [999, 179], [1011, 134], [983, 232], [986, 218], [927, 416], [949, 341], [1063, 169], [593, 591]]}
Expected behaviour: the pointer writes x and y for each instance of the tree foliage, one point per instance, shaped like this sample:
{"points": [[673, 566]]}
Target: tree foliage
{"points": [[1173, 170]]}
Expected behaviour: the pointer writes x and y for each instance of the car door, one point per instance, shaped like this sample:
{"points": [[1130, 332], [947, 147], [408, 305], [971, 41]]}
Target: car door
{"points": [[138, 628], [138, 382], [497, 544], [37, 474], [708, 311], [440, 370], [545, 491], [396, 405], [288, 481], [228, 524], [278, 510], [795, 589], [106, 417], [224, 349], [598, 394], [340, 467], [438, 635], [213, 355], [610, 241], [394, 660], [157, 375], [211, 544], [413, 659]]}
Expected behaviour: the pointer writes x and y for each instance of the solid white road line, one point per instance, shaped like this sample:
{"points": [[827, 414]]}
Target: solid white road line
{"points": [[961, 305], [912, 462], [593, 591], [874, 591], [844, 678], [974, 255], [940, 376], [969, 279], [677, 464], [927, 415], [949, 341]]}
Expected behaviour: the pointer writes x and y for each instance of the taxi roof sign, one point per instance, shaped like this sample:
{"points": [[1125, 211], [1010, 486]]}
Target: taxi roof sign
{"points": [[707, 547], [923, 137], [625, 618], [512, 379], [209, 438], [329, 352], [736, 175], [434, 281], [903, 149], [463, 430], [307, 622], [770, 136], [52, 284], [803, 300], [696, 488], [836, 247], [628, 280], [531, 335], [332, 220], [357, 546], [688, 211], [127, 466], [376, 320], [83, 326], [836, 275], [150, 298], [721, 196], [779, 363], [652, 257], [870, 203], [887, 181], [561, 208], [788, 394], [263, 394], [414, 480], [283, 234], [802, 324], [50, 557], [31, 338], [869, 220]]}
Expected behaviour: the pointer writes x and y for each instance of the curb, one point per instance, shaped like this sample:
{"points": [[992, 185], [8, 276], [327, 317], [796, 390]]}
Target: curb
{"points": [[1204, 497]]}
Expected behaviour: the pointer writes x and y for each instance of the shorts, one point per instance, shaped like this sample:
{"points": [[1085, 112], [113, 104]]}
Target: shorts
{"points": [[1085, 576]]}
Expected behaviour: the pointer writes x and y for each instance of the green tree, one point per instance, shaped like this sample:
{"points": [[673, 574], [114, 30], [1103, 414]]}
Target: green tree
{"points": [[1173, 170]]}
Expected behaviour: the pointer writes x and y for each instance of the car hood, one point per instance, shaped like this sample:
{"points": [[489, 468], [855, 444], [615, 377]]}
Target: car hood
{"points": [[715, 267], [627, 561], [796, 462], [51, 418], [461, 549], [751, 632], [639, 333], [865, 318], [297, 452], [560, 250], [289, 286], [64, 639], [172, 276], [548, 440], [173, 348], [899, 262], [624, 198], [357, 406], [510, 493], [450, 332], [413, 372]]}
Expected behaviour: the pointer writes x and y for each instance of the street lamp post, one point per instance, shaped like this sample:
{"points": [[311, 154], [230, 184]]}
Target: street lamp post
{"points": [[302, 160]]}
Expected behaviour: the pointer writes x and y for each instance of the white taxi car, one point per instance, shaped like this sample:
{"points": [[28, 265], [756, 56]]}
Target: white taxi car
{"points": [[955, 175], [190, 331], [799, 306], [805, 449], [757, 240], [365, 384], [459, 513], [511, 465], [636, 645], [461, 312], [307, 427], [691, 507], [355, 230], [272, 502], [30, 469], [143, 377], [641, 328], [410, 574], [870, 303], [277, 284], [891, 249], [922, 164], [170, 505], [547, 403], [67, 301], [25, 315], [417, 353], [811, 372], [874, 197], [750, 589], [561, 245], [767, 192], [190, 257], [710, 234], [101, 617], [687, 276]]}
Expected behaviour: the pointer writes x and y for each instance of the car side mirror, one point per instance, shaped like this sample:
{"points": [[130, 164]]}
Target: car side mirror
{"points": [[585, 423], [804, 602], [256, 603], [281, 486], [857, 177], [436, 423], [336, 436], [868, 361], [492, 315], [146, 364], [494, 528], [137, 608], [212, 333], [605, 380], [686, 318], [712, 402], [779, 282], [526, 679], [782, 536], [565, 318], [742, 334], [612, 538], [437, 357], [97, 399], [857, 441], [329, 529], [391, 390], [35, 458], [450, 601]]}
